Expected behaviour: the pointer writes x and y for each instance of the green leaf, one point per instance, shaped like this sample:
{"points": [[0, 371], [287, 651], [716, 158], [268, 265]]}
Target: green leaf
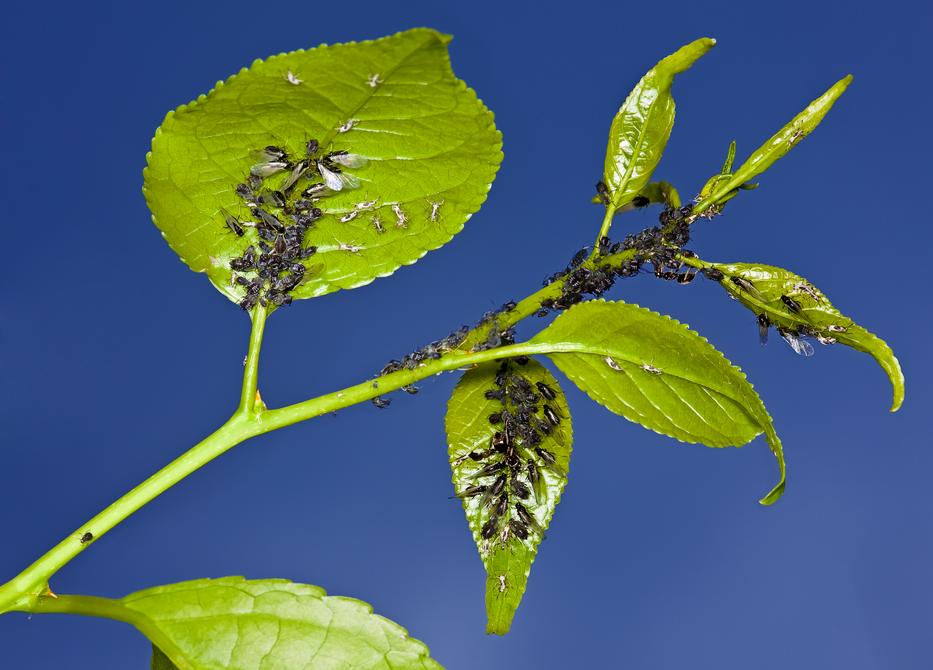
{"points": [[537, 472], [761, 287], [642, 126], [656, 192], [658, 373], [779, 144], [234, 623], [160, 661], [430, 145]]}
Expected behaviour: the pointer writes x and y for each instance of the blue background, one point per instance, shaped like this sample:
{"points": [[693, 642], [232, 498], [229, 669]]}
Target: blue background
{"points": [[116, 358]]}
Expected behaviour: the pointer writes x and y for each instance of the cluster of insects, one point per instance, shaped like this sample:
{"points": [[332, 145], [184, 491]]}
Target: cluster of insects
{"points": [[510, 485], [281, 216]]}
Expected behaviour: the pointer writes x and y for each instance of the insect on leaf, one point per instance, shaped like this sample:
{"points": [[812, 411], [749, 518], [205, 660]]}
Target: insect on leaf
{"points": [[642, 126], [232, 622], [794, 305], [783, 141], [658, 373], [366, 155], [509, 440]]}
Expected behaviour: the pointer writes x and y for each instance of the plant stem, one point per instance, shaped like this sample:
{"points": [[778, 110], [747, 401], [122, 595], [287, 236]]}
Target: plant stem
{"points": [[604, 228], [251, 365]]}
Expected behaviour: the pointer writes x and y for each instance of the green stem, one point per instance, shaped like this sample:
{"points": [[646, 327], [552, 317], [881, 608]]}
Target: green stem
{"points": [[604, 228], [251, 365]]}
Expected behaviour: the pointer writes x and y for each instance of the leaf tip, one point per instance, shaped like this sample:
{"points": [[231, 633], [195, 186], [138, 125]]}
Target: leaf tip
{"points": [[774, 494]]}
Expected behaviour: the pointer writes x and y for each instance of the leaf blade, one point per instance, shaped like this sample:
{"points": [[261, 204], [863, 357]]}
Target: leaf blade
{"points": [[426, 136], [507, 558], [642, 125], [657, 372]]}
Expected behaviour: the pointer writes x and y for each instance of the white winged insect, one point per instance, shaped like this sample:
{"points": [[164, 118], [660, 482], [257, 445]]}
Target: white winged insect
{"points": [[800, 346], [337, 181], [348, 160]]}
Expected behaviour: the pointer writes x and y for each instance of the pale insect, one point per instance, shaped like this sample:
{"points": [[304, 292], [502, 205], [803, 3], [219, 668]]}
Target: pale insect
{"points": [[377, 224], [650, 369], [374, 80], [611, 362], [400, 218], [823, 339], [267, 169], [337, 181], [800, 347], [292, 79], [833, 328], [809, 290], [501, 583], [435, 210], [348, 160], [295, 175], [351, 247], [365, 205], [347, 126], [349, 216]]}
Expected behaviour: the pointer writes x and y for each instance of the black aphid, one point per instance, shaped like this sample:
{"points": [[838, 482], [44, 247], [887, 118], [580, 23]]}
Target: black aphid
{"points": [[712, 273], [791, 304], [546, 390], [519, 489], [490, 528], [763, 325], [87, 537], [518, 529], [602, 192], [551, 415], [471, 491], [381, 402]]}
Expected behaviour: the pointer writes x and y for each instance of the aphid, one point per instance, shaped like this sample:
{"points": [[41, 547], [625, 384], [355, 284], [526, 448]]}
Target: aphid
{"points": [[518, 529], [314, 191], [502, 505], [549, 459], [349, 216], [551, 415], [526, 517], [267, 169], [471, 491], [496, 487], [332, 179], [501, 583], [537, 482], [746, 286], [365, 205], [686, 277], [519, 489], [800, 347], [650, 369], [602, 192], [809, 290], [640, 201], [490, 528], [435, 209], [352, 248], [244, 191], [712, 273], [381, 402], [611, 362], [270, 220], [509, 306], [377, 224], [400, 218], [87, 537], [309, 252], [373, 80], [295, 175], [791, 304], [763, 325], [546, 391], [273, 153], [347, 126], [833, 328], [347, 159], [292, 79], [232, 223], [797, 136], [823, 339], [542, 313]]}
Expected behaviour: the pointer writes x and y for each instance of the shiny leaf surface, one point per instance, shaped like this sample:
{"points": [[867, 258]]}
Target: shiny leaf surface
{"points": [[658, 373]]}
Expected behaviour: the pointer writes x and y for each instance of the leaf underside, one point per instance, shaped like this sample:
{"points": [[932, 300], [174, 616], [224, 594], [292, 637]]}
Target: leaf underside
{"points": [[430, 147], [658, 373], [532, 476], [236, 624], [817, 316]]}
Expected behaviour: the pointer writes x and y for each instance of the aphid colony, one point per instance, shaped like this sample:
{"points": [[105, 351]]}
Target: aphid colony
{"points": [[659, 246], [509, 478], [281, 217]]}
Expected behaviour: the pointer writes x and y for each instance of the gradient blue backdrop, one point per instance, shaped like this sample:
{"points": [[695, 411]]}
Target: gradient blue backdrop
{"points": [[116, 358]]}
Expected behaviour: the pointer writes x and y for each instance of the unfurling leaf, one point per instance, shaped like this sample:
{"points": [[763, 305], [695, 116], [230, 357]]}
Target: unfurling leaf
{"points": [[642, 126], [348, 160], [798, 310], [509, 439], [658, 373], [779, 144], [234, 623]]}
